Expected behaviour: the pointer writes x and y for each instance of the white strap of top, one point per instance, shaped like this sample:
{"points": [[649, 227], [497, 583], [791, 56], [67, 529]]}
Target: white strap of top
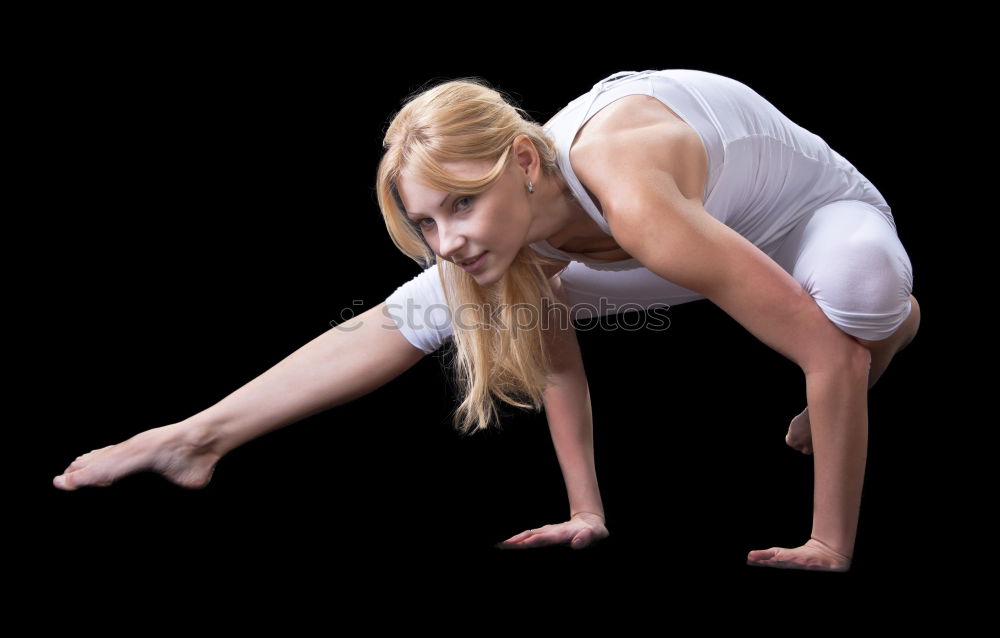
{"points": [[599, 88]]}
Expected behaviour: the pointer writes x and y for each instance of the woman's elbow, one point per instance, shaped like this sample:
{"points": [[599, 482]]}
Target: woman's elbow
{"points": [[843, 355]]}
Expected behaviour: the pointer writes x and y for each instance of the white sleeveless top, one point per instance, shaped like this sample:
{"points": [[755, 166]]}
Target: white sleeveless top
{"points": [[764, 171]]}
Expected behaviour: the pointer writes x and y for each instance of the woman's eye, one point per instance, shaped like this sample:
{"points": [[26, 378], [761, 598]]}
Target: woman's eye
{"points": [[420, 222]]}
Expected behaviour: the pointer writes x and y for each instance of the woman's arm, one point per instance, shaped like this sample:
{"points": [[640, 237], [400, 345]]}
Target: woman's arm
{"points": [[568, 412], [567, 409], [677, 239]]}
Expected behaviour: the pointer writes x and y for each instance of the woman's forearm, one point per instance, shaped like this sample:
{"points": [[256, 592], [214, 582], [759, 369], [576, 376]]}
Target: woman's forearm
{"points": [[568, 412], [342, 364], [838, 414], [567, 409]]}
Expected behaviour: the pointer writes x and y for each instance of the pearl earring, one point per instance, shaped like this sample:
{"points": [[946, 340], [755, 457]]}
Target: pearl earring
{"points": [[531, 187]]}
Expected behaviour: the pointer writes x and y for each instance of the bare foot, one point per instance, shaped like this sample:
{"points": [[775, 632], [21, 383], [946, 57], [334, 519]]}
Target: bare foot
{"points": [[169, 450], [814, 555], [800, 433]]}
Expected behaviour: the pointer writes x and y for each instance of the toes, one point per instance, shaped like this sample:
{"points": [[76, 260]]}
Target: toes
{"points": [[75, 480], [72, 480], [65, 481]]}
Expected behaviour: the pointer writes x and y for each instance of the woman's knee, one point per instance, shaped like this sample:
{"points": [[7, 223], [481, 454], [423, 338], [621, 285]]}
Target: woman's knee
{"points": [[901, 336], [912, 323], [865, 287], [851, 261]]}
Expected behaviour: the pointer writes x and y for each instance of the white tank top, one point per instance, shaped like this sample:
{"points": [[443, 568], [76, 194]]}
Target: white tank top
{"points": [[764, 171]]}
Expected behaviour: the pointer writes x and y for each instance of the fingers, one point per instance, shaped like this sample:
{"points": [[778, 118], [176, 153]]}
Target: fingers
{"points": [[520, 537], [507, 544], [785, 558], [528, 539], [521, 541], [762, 556], [572, 533]]}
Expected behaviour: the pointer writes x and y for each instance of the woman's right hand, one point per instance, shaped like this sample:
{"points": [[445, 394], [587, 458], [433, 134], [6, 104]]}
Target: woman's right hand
{"points": [[171, 450]]}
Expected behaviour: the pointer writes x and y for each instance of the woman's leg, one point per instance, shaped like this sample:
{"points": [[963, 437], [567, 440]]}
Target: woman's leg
{"points": [[884, 349]]}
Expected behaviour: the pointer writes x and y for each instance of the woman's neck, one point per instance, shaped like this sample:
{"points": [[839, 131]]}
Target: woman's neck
{"points": [[579, 232], [565, 219]]}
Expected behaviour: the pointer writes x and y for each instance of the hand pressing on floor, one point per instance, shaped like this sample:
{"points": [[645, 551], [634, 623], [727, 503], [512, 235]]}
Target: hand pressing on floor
{"points": [[814, 555], [583, 530]]}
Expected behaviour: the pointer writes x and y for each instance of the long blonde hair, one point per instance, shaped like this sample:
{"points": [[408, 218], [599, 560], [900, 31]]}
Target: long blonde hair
{"points": [[494, 355]]}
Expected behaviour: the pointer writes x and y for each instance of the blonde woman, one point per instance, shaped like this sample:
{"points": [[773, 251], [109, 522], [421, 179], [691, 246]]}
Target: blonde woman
{"points": [[653, 188]]}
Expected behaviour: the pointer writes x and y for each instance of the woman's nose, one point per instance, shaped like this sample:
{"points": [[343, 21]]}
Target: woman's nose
{"points": [[451, 242]]}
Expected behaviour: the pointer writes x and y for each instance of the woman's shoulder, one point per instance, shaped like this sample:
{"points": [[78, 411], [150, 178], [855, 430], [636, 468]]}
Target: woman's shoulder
{"points": [[645, 126]]}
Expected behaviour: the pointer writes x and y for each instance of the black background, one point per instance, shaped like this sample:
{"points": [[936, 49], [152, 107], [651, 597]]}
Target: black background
{"points": [[208, 207]]}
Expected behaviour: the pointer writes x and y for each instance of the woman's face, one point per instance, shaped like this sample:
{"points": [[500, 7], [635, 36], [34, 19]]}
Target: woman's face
{"points": [[494, 224]]}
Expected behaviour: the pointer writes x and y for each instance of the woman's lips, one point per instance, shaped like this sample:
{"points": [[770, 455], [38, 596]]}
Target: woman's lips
{"points": [[475, 264]]}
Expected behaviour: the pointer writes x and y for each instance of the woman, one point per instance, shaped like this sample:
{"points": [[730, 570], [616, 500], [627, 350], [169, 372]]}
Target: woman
{"points": [[655, 187]]}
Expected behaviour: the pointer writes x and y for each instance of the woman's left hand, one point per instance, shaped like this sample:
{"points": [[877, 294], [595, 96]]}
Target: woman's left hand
{"points": [[814, 555], [583, 530]]}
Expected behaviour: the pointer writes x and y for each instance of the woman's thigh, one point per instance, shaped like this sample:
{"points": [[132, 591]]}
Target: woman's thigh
{"points": [[849, 258]]}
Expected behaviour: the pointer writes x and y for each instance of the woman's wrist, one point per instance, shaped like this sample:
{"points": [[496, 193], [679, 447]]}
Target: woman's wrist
{"points": [[575, 514], [828, 548]]}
